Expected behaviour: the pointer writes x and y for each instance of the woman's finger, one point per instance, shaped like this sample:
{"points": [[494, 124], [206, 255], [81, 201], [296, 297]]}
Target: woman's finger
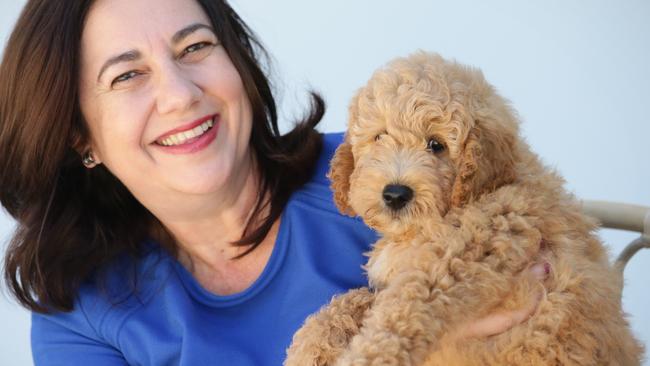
{"points": [[541, 270], [500, 322]]}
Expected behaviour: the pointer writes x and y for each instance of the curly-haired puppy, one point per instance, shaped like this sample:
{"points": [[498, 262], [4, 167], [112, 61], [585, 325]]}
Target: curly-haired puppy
{"points": [[433, 161]]}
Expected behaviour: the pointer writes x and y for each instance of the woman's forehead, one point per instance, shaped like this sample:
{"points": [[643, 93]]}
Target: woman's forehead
{"points": [[124, 23], [123, 27]]}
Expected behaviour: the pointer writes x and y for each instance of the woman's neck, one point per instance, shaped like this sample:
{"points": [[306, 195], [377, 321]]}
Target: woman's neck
{"points": [[205, 241]]}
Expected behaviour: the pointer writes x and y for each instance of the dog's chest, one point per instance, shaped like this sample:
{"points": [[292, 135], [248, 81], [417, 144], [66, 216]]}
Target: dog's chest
{"points": [[379, 269], [389, 259]]}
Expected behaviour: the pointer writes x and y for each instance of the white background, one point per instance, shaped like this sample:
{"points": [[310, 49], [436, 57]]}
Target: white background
{"points": [[577, 71]]}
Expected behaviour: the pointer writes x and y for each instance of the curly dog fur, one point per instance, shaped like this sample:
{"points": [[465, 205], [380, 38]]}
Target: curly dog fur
{"points": [[481, 209]]}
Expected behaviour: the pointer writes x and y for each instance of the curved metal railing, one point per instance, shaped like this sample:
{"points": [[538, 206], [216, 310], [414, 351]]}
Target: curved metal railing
{"points": [[625, 217]]}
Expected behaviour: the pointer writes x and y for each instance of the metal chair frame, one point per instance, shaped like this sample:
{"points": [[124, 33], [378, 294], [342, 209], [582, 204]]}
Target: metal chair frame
{"points": [[622, 216]]}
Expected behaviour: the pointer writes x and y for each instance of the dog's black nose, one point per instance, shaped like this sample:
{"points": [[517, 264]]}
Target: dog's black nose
{"points": [[397, 196]]}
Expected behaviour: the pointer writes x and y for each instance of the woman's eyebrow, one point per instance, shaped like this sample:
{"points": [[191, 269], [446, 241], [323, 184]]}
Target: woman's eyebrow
{"points": [[183, 33], [133, 55], [124, 57]]}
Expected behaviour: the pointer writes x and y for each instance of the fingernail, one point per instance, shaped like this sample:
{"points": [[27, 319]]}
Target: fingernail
{"points": [[547, 268]]}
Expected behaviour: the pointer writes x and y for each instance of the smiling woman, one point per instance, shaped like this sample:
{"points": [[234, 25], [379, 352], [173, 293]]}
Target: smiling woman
{"points": [[146, 108], [180, 71]]}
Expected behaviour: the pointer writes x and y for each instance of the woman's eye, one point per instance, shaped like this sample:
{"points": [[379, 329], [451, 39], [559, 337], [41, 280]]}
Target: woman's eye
{"points": [[195, 48], [124, 77], [435, 146]]}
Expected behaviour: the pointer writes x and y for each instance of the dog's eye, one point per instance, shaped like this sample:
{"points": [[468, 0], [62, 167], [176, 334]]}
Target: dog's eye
{"points": [[435, 146], [378, 137]]}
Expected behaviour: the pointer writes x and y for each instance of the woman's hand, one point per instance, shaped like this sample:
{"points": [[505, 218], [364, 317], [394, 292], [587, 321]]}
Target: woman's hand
{"points": [[500, 322]]}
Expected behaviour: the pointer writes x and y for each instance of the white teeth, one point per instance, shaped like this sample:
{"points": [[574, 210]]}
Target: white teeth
{"points": [[180, 137]]}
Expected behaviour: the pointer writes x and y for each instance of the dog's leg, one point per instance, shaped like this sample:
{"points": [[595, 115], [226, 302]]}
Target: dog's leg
{"points": [[327, 333], [411, 315], [401, 327]]}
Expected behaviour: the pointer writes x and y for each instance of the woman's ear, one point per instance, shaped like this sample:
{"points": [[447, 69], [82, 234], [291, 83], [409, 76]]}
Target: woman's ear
{"points": [[78, 143], [87, 155], [341, 167]]}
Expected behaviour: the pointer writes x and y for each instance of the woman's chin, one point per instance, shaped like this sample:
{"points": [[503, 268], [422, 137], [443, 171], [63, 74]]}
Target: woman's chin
{"points": [[201, 186]]}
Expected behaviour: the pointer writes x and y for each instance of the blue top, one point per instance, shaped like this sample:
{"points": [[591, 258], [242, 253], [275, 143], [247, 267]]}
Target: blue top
{"points": [[174, 321]]}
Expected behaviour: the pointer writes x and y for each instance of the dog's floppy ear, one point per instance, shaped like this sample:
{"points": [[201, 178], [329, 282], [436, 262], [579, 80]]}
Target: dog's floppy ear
{"points": [[341, 168], [486, 162]]}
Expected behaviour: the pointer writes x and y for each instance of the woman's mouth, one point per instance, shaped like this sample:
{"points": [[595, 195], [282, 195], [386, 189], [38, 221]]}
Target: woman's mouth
{"points": [[183, 137], [192, 139]]}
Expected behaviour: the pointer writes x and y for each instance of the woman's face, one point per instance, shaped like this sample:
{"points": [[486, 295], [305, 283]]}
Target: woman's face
{"points": [[166, 109]]}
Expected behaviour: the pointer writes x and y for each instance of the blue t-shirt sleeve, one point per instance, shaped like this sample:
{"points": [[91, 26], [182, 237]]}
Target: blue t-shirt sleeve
{"points": [[67, 340]]}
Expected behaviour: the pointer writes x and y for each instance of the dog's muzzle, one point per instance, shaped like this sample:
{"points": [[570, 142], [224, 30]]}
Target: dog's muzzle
{"points": [[397, 196]]}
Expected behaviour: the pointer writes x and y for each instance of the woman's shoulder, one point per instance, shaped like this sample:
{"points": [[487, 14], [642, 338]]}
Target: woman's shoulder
{"points": [[317, 188], [107, 298], [313, 205], [331, 142]]}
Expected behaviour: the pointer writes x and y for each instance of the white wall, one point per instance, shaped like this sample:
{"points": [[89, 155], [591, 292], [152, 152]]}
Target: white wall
{"points": [[575, 70], [14, 331]]}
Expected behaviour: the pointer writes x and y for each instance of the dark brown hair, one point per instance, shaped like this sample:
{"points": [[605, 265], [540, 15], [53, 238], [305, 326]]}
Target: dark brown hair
{"points": [[73, 221]]}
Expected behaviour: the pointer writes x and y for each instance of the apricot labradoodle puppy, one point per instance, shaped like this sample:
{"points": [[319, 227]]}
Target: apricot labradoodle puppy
{"points": [[433, 161]]}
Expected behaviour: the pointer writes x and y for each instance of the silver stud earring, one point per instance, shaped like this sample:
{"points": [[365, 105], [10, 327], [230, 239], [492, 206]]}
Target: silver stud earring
{"points": [[88, 160]]}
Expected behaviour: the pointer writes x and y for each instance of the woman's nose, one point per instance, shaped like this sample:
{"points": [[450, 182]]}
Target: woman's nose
{"points": [[176, 91]]}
